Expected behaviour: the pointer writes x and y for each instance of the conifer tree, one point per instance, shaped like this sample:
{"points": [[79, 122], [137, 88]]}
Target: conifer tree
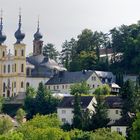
{"points": [[77, 118]]}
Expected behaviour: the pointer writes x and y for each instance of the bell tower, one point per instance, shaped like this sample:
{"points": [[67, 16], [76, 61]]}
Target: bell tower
{"points": [[19, 59], [37, 42]]}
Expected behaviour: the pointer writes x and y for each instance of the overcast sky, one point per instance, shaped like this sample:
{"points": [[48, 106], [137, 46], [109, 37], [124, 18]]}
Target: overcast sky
{"points": [[64, 19]]}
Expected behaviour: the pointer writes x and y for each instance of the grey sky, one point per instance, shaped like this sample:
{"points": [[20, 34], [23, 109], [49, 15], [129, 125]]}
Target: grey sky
{"points": [[64, 19]]}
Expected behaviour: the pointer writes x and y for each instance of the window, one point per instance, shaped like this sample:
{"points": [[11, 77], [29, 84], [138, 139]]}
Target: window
{"points": [[22, 84], [62, 86], [22, 67], [3, 54], [66, 86], [64, 120], [93, 86], [14, 84], [15, 67], [48, 87], [28, 71], [27, 84], [3, 95], [54, 87], [4, 68], [22, 52], [57, 87], [15, 52], [93, 78], [63, 111], [4, 86], [8, 68], [117, 112], [118, 129]]}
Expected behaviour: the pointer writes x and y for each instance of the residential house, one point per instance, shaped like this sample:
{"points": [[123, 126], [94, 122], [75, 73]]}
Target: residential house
{"points": [[65, 108], [61, 82]]}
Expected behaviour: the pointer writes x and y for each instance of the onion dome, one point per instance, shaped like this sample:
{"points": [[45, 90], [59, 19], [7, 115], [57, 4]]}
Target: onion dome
{"points": [[2, 35], [18, 34], [37, 35]]}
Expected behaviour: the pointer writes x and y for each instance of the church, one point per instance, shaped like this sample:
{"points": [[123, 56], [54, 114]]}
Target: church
{"points": [[17, 71]]}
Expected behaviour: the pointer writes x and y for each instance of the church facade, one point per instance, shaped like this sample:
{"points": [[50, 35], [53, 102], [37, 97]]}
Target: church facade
{"points": [[17, 71]]}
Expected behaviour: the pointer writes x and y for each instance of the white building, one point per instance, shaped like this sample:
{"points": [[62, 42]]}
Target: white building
{"points": [[62, 81], [117, 122], [65, 108]]}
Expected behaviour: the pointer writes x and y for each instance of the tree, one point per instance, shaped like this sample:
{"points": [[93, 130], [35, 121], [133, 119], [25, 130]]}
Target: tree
{"points": [[20, 114], [77, 111], [103, 90], [80, 88], [43, 102], [99, 117], [6, 124], [13, 135], [1, 103], [128, 95], [135, 132], [50, 51]]}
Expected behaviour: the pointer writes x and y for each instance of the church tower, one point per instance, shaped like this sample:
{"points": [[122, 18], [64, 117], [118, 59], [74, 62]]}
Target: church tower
{"points": [[37, 42], [19, 60], [3, 52]]}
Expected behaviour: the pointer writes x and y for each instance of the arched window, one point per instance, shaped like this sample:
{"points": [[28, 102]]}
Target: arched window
{"points": [[22, 52], [22, 84], [15, 52], [15, 67], [8, 68], [3, 54], [4, 86], [22, 67]]}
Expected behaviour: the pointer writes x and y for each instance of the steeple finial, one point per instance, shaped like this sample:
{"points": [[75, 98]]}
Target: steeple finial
{"points": [[1, 19], [19, 18], [2, 36], [38, 24]]}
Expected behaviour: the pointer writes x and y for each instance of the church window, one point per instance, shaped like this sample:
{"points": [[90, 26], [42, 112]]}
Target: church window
{"points": [[4, 86], [15, 52], [8, 68], [22, 67], [4, 68], [22, 52], [15, 68], [3, 54], [22, 84]]}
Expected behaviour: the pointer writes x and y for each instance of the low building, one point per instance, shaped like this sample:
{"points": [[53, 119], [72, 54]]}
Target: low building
{"points": [[62, 81], [65, 108], [114, 104]]}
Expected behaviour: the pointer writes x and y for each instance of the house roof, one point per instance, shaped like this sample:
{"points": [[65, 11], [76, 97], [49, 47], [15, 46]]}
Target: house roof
{"points": [[43, 66], [104, 74], [124, 121], [68, 102], [114, 102], [66, 77]]}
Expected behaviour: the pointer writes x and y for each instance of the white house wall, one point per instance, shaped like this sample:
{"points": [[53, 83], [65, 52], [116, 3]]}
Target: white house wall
{"points": [[121, 129], [68, 115], [34, 81], [112, 115]]}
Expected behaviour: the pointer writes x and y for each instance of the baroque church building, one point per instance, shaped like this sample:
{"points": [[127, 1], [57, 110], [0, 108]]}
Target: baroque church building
{"points": [[17, 71]]}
